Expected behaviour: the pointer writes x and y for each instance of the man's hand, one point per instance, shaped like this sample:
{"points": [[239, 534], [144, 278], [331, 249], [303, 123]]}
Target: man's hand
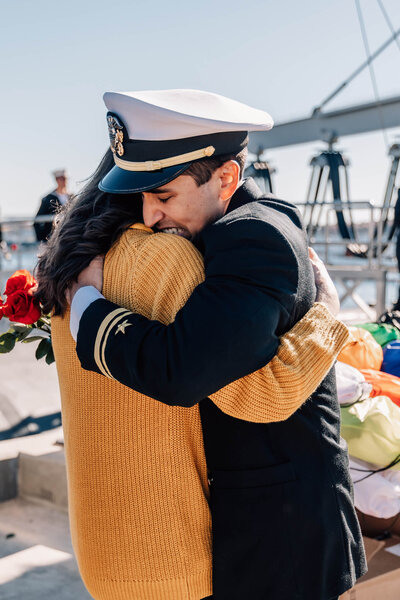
{"points": [[92, 275], [326, 291]]}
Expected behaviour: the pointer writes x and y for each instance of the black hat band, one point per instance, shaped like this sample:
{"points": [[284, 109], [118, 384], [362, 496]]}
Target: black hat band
{"points": [[144, 155]]}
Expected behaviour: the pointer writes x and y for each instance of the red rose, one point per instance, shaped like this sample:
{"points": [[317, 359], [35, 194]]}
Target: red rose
{"points": [[21, 306], [21, 280]]}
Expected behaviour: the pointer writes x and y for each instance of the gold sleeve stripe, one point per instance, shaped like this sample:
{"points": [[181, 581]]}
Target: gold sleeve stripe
{"points": [[103, 342], [100, 334]]}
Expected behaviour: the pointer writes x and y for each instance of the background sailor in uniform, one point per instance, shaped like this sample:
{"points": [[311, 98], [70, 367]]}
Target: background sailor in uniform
{"points": [[51, 204]]}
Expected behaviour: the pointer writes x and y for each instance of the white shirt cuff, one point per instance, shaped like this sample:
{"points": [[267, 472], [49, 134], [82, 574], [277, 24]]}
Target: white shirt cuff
{"points": [[82, 299]]}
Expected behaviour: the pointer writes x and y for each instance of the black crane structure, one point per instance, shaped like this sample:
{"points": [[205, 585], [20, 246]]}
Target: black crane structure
{"points": [[261, 172], [329, 168]]}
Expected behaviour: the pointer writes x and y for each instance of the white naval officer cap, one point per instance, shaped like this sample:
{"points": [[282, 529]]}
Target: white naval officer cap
{"points": [[59, 173], [156, 135]]}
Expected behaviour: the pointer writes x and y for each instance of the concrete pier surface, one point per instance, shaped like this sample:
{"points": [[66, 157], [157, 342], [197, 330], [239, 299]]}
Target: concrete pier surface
{"points": [[36, 557], [29, 387]]}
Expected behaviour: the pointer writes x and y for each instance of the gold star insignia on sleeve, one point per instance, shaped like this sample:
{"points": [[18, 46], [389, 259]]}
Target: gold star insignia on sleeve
{"points": [[122, 326]]}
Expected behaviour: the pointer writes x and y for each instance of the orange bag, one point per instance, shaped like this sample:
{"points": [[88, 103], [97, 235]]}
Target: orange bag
{"points": [[362, 351], [383, 384]]}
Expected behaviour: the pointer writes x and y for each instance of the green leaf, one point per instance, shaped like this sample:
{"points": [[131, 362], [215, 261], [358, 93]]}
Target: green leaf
{"points": [[44, 321], [21, 336], [50, 357], [11, 332], [34, 338], [7, 342], [21, 328], [42, 349]]}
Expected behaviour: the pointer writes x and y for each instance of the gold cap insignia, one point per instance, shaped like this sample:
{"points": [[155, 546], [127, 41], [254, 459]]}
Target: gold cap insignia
{"points": [[116, 133]]}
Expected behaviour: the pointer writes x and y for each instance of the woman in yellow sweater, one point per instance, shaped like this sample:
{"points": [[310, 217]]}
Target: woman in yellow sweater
{"points": [[137, 475]]}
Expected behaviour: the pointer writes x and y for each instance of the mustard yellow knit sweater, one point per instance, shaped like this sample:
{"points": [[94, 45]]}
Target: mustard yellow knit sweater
{"points": [[137, 475]]}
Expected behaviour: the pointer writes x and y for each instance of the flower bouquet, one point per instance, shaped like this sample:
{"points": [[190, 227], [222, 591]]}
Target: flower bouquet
{"points": [[22, 308]]}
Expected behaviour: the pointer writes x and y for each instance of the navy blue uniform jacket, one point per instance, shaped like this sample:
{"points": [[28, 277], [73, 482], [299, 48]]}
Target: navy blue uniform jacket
{"points": [[49, 205], [284, 526]]}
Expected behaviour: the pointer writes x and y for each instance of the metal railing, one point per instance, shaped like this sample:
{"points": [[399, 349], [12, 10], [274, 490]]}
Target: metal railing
{"points": [[373, 249], [375, 260]]}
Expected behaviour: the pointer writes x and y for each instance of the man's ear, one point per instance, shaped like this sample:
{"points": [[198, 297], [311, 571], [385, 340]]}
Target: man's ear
{"points": [[229, 179]]}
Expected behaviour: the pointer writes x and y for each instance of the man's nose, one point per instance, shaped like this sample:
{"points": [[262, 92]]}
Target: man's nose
{"points": [[151, 213]]}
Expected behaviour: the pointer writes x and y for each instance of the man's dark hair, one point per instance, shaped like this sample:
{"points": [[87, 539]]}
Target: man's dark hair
{"points": [[201, 170]]}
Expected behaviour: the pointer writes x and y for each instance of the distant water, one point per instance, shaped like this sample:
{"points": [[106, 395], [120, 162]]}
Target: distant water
{"points": [[25, 257], [21, 251]]}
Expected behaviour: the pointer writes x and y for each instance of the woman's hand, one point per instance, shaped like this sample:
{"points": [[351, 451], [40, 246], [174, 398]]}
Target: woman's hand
{"points": [[326, 291], [92, 275]]}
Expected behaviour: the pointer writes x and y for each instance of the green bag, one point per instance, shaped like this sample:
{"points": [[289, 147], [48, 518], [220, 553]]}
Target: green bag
{"points": [[371, 429], [382, 332]]}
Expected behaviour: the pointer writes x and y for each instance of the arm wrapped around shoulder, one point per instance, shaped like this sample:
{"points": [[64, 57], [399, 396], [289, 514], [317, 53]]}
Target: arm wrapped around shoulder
{"points": [[228, 328], [305, 355]]}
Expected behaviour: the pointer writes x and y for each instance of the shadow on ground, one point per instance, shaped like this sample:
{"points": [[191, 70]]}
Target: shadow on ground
{"points": [[31, 426], [46, 583]]}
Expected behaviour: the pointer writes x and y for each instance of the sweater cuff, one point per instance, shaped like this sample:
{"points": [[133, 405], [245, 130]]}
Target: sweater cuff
{"points": [[322, 320], [89, 326], [83, 297]]}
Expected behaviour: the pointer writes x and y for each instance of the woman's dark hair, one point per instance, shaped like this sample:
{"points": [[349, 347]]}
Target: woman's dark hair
{"points": [[87, 226], [91, 223]]}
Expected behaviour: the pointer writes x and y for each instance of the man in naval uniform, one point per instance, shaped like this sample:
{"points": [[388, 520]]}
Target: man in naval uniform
{"points": [[51, 204], [284, 525]]}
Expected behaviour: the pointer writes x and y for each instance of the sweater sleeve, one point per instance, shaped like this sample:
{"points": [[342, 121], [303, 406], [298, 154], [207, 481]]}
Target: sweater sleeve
{"points": [[158, 287], [305, 354]]}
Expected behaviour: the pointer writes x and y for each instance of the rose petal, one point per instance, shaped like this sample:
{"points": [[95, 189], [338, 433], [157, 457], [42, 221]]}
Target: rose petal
{"points": [[21, 280], [22, 307]]}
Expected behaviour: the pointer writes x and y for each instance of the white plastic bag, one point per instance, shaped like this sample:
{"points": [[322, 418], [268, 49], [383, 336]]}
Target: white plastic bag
{"points": [[377, 495], [351, 384]]}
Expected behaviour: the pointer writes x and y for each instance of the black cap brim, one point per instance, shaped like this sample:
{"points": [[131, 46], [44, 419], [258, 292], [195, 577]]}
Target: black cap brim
{"points": [[120, 181]]}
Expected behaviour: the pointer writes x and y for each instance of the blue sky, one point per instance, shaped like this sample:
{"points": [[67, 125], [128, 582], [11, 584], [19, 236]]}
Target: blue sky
{"points": [[284, 56]]}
